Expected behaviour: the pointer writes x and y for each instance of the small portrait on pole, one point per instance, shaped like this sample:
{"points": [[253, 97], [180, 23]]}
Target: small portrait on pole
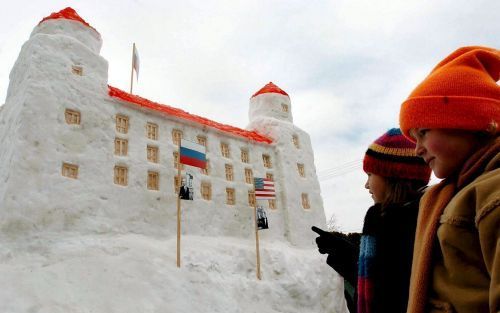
{"points": [[261, 218], [186, 188]]}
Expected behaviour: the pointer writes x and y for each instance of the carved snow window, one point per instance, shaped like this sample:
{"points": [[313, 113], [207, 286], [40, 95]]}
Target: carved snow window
{"points": [[267, 161], [300, 168], [152, 131], [121, 175], [121, 146], [152, 154], [224, 149], [122, 123], [176, 160], [244, 156], [72, 116], [153, 180], [305, 201], [230, 197], [248, 176], [202, 140], [70, 170], [284, 107], [295, 140], [176, 136], [229, 172], [206, 190], [77, 70], [251, 198]]}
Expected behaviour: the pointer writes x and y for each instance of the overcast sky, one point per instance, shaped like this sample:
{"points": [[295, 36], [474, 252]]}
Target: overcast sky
{"points": [[347, 65]]}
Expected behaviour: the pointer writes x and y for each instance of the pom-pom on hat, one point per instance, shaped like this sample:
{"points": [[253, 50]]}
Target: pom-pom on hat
{"points": [[393, 155], [460, 93]]}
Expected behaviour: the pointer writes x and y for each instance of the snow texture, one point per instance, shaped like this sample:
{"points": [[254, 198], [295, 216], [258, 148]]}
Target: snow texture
{"points": [[89, 245]]}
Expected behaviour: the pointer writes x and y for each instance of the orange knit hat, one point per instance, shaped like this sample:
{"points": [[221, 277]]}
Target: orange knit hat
{"points": [[460, 93]]}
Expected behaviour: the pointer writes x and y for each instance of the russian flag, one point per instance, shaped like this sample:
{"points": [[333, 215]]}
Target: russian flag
{"points": [[193, 154]]}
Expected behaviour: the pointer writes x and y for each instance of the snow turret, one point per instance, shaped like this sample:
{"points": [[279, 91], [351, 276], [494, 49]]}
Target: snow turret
{"points": [[297, 186], [62, 45], [58, 76], [68, 23], [271, 101]]}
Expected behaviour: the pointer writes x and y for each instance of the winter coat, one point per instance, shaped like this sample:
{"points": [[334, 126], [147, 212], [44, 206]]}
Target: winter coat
{"points": [[393, 231], [393, 227], [457, 252]]}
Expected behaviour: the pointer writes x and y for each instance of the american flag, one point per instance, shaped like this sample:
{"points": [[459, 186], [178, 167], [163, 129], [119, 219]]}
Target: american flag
{"points": [[264, 189]]}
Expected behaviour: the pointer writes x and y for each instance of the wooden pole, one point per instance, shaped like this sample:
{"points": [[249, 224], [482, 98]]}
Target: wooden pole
{"points": [[179, 208], [256, 239], [132, 71]]}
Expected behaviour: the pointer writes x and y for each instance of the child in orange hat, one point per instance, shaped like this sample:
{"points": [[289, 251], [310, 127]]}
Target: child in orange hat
{"points": [[453, 116]]}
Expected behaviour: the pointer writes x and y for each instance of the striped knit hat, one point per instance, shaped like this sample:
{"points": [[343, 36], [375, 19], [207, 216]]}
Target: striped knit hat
{"points": [[393, 155]]}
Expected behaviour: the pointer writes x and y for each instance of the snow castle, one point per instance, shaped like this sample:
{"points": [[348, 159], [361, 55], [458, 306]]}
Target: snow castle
{"points": [[79, 155]]}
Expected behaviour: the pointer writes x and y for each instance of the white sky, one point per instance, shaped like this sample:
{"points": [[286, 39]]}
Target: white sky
{"points": [[347, 65]]}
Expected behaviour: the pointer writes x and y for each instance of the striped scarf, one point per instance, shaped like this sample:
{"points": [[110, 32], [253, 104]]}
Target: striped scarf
{"points": [[365, 273], [367, 259]]}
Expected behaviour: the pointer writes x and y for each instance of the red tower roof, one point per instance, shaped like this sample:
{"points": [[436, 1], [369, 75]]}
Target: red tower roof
{"points": [[69, 14], [270, 88], [145, 103]]}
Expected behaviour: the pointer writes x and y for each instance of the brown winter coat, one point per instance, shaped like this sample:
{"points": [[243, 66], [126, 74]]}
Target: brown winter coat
{"points": [[459, 269]]}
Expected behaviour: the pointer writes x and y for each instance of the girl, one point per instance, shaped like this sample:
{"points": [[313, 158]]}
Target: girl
{"points": [[453, 116], [380, 264]]}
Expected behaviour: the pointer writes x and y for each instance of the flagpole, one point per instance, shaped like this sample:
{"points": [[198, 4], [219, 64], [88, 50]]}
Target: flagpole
{"points": [[179, 207], [266, 191], [256, 238], [132, 70]]}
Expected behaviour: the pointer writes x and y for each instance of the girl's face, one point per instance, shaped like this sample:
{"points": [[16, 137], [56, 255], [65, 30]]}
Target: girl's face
{"points": [[444, 150], [377, 186]]}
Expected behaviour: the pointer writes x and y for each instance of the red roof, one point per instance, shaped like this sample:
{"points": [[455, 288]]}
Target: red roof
{"points": [[69, 14], [270, 88], [145, 103]]}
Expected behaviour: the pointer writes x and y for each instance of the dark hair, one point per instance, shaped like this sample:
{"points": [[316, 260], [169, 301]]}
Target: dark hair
{"points": [[402, 190]]}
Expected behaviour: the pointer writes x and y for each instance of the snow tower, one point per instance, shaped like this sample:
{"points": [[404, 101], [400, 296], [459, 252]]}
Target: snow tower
{"points": [[270, 113]]}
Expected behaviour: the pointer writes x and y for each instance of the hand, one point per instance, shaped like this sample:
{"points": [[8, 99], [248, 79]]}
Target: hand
{"points": [[325, 241], [342, 252], [333, 240]]}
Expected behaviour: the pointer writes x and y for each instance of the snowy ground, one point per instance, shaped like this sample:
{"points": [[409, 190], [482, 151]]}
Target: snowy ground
{"points": [[70, 272]]}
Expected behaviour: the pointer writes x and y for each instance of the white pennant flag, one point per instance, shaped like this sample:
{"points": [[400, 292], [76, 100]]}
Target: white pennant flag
{"points": [[135, 62]]}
